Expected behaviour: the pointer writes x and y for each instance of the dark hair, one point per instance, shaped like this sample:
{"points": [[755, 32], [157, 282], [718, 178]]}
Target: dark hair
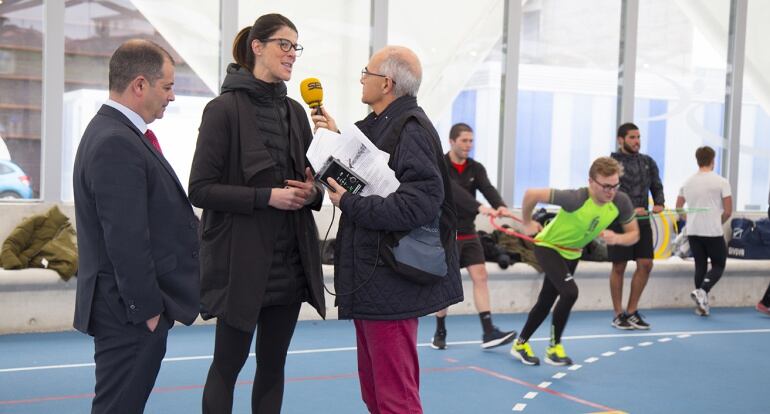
{"points": [[705, 155], [623, 129], [458, 129], [262, 29], [136, 57]]}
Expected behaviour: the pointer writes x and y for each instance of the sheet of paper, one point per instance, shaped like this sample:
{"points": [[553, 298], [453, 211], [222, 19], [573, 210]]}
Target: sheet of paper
{"points": [[358, 153]]}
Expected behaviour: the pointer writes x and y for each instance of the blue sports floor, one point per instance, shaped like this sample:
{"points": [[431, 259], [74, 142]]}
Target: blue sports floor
{"points": [[685, 364]]}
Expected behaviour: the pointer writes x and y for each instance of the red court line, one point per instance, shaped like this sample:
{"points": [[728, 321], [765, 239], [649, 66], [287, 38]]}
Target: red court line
{"points": [[163, 390], [533, 386]]}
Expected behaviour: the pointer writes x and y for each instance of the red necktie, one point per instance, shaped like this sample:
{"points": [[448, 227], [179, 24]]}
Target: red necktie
{"points": [[153, 140]]}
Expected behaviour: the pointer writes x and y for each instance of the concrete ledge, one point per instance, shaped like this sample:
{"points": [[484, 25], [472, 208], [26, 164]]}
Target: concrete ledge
{"points": [[37, 300]]}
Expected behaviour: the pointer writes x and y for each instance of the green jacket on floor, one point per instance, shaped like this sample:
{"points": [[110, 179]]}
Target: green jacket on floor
{"points": [[43, 241]]}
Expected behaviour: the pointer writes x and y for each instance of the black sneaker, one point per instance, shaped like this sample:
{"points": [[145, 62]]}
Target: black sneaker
{"points": [[621, 322], [495, 337], [439, 339], [635, 320]]}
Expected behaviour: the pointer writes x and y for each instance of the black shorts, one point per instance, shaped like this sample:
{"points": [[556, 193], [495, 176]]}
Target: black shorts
{"points": [[643, 249], [471, 252]]}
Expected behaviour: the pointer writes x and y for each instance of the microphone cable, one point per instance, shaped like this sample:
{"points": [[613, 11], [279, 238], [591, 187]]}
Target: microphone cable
{"points": [[371, 274]]}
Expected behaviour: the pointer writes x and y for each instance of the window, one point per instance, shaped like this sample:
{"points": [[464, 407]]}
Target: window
{"points": [[567, 91], [680, 84], [93, 31], [754, 173], [462, 67], [21, 73]]}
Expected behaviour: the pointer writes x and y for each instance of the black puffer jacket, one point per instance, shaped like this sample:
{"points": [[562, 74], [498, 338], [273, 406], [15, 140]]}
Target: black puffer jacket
{"points": [[640, 177], [379, 292], [251, 138]]}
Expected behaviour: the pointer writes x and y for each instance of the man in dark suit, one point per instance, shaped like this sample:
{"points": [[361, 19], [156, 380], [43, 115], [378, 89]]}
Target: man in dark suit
{"points": [[137, 234]]}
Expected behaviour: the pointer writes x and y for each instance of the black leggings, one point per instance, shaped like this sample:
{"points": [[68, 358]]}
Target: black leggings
{"points": [[703, 249], [231, 349], [558, 282]]}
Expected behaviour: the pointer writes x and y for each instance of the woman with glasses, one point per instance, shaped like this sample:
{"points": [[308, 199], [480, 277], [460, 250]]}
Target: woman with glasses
{"points": [[259, 243], [585, 214]]}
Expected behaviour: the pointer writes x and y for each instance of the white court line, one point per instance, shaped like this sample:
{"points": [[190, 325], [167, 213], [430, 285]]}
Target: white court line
{"points": [[544, 384], [683, 336], [591, 360], [559, 375], [626, 348], [664, 339], [608, 354], [645, 343], [530, 395], [575, 367], [352, 348], [519, 407]]}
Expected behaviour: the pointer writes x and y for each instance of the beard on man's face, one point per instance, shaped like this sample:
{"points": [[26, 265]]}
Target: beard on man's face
{"points": [[629, 149]]}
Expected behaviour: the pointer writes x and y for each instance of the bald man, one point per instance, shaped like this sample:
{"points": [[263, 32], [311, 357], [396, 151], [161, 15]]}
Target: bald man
{"points": [[384, 304]]}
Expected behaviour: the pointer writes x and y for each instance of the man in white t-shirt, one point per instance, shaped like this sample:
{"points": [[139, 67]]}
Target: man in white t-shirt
{"points": [[709, 191]]}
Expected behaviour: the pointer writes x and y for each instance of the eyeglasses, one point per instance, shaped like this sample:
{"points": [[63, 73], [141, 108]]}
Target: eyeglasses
{"points": [[608, 187], [365, 72], [286, 45]]}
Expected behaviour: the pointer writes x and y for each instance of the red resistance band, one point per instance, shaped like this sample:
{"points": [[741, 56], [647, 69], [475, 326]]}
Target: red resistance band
{"points": [[510, 232]]}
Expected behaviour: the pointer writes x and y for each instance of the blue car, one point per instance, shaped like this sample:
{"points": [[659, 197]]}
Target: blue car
{"points": [[13, 182]]}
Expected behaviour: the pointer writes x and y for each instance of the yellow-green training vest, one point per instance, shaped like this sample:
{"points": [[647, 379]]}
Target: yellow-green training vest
{"points": [[575, 229]]}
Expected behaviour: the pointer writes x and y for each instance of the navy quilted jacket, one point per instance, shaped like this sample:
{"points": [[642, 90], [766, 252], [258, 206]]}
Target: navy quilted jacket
{"points": [[366, 287]]}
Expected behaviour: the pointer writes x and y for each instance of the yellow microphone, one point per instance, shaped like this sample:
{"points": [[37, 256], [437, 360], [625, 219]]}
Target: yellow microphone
{"points": [[312, 92]]}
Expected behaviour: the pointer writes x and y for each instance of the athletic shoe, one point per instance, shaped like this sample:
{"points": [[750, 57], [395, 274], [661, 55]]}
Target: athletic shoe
{"points": [[621, 322], [555, 355], [523, 352], [635, 320], [439, 339], [701, 299], [496, 338], [761, 308]]}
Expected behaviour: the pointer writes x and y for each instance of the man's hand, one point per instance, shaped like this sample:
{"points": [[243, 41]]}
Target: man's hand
{"points": [[322, 119], [657, 209], [337, 191], [307, 188], [531, 227], [609, 237], [487, 211], [152, 323], [503, 211]]}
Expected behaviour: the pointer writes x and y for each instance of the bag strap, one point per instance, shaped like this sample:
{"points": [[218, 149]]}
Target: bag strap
{"points": [[394, 140]]}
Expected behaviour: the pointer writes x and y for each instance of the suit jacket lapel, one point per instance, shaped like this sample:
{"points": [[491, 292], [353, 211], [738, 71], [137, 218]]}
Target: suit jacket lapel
{"points": [[117, 115]]}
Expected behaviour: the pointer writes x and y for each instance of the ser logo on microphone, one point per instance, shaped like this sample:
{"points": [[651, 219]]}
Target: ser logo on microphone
{"points": [[312, 92]]}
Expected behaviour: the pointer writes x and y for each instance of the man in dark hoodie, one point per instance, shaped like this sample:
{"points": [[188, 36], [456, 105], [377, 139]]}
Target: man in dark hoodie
{"points": [[640, 179], [383, 304], [469, 176]]}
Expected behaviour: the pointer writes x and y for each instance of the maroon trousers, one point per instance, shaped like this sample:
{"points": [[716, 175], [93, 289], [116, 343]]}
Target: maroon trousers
{"points": [[388, 368]]}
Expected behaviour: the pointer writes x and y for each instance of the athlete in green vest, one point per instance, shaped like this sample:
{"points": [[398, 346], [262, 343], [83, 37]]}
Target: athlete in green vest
{"points": [[585, 214]]}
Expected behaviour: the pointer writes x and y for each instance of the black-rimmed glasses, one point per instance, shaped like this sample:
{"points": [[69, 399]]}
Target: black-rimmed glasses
{"points": [[286, 45], [365, 72], [608, 187]]}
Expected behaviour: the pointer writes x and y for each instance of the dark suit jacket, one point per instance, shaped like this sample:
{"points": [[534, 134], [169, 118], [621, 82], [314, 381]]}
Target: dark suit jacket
{"points": [[137, 234]]}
